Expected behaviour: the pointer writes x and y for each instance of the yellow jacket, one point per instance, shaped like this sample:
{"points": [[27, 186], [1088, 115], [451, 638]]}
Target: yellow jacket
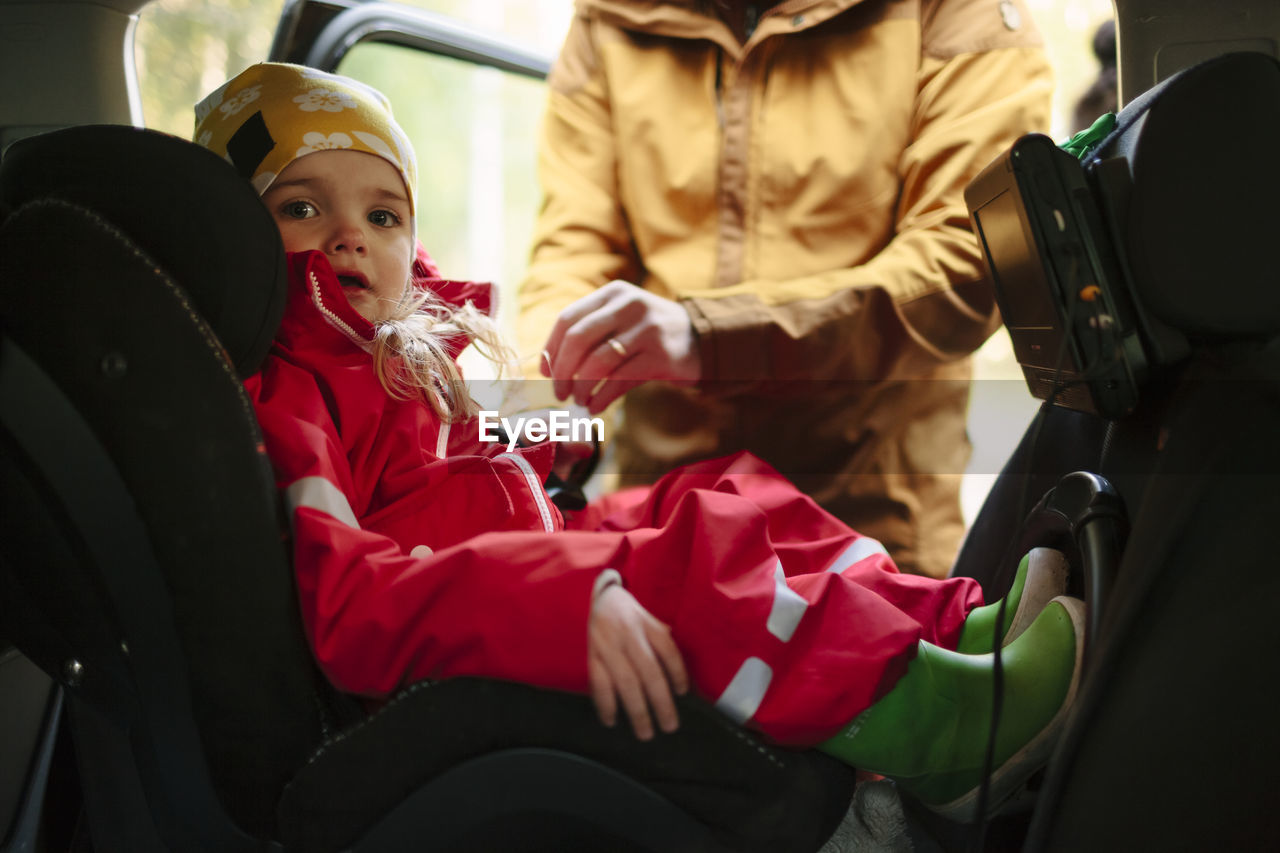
{"points": [[801, 196]]}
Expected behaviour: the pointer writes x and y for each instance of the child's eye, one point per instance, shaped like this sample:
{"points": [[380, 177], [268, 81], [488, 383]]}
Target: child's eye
{"points": [[299, 210], [384, 218]]}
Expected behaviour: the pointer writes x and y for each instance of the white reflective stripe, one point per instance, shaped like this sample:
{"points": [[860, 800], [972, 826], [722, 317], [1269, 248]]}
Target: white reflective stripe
{"points": [[535, 488], [860, 549], [319, 493], [788, 607], [442, 443], [741, 699]]}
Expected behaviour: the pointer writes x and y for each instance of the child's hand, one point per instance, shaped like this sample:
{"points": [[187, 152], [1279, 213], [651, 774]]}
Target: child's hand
{"points": [[631, 656]]}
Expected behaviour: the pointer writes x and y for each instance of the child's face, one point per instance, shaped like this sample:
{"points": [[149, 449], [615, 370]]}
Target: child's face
{"points": [[353, 207]]}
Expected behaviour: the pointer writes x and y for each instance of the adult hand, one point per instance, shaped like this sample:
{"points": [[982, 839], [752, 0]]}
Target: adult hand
{"points": [[619, 337], [632, 658]]}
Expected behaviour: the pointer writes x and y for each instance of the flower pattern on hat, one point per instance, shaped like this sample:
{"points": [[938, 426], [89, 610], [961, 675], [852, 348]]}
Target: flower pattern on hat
{"points": [[295, 111], [329, 100], [314, 141], [262, 181], [210, 104], [381, 148], [241, 100]]}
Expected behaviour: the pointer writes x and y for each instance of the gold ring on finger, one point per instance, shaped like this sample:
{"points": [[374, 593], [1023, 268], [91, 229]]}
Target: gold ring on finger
{"points": [[616, 346]]}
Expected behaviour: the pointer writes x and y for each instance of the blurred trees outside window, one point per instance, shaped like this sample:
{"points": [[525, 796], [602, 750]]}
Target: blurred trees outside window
{"points": [[185, 49]]}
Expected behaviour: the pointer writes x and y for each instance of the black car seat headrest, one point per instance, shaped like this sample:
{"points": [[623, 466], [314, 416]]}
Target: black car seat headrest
{"points": [[1158, 244], [1202, 218], [187, 207]]}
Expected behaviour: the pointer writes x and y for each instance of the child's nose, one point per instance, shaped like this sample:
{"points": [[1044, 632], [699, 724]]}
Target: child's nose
{"points": [[347, 237]]}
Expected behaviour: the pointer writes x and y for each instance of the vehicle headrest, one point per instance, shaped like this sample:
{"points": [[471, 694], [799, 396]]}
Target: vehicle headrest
{"points": [[184, 205], [1201, 228]]}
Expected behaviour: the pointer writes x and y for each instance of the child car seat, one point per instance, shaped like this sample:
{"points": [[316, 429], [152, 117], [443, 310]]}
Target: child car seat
{"points": [[142, 565], [1172, 743]]}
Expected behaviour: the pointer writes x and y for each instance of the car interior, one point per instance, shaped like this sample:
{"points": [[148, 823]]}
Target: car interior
{"points": [[156, 689]]}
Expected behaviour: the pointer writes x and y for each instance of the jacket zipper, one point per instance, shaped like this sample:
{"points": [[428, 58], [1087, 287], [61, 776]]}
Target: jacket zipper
{"points": [[442, 440], [535, 488], [334, 320]]}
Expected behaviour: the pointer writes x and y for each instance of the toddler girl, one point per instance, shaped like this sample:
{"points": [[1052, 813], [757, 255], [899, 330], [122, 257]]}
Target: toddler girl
{"points": [[422, 552]]}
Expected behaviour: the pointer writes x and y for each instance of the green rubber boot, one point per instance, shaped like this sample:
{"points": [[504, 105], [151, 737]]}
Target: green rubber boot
{"points": [[1041, 577], [929, 733]]}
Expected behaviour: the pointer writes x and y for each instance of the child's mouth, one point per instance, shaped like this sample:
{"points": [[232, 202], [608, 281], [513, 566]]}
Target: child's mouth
{"points": [[353, 281]]}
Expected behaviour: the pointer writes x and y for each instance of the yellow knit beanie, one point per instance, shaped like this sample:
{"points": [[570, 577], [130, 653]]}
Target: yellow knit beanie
{"points": [[273, 113]]}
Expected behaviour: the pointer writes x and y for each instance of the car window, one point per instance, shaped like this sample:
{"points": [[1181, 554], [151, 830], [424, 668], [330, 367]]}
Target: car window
{"points": [[474, 130], [537, 24], [184, 49]]}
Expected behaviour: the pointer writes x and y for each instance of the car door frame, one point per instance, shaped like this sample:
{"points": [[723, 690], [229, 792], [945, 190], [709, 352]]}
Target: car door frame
{"points": [[320, 34]]}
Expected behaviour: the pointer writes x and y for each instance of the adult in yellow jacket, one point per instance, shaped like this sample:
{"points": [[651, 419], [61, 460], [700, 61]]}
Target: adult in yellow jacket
{"points": [[762, 205]]}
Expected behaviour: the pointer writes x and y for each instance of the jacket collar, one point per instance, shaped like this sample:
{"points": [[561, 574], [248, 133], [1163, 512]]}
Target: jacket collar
{"points": [[681, 18], [318, 316], [315, 295], [481, 294]]}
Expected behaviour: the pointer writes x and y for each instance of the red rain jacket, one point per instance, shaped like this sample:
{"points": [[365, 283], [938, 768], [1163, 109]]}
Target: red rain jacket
{"points": [[421, 552]]}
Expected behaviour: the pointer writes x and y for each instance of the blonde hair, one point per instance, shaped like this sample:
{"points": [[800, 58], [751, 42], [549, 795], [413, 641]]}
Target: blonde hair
{"points": [[412, 352]]}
